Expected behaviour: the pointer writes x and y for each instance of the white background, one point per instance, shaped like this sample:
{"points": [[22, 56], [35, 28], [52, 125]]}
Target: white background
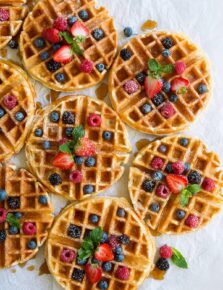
{"points": [[202, 20]]}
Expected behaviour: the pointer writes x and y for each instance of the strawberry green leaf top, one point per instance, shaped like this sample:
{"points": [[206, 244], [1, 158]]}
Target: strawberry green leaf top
{"points": [[187, 193], [178, 259], [12, 220], [156, 70]]}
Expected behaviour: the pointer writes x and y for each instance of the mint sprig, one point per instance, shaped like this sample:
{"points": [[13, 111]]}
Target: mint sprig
{"points": [[90, 244], [178, 259], [12, 220], [156, 70], [73, 42], [188, 192], [69, 146]]}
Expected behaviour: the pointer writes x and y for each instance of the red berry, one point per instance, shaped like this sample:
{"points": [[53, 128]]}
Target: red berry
{"points": [[3, 215], [104, 253], [178, 84], [166, 252], [29, 228], [63, 140], [94, 120], [76, 176], [122, 273], [180, 67], [131, 87], [61, 24], [78, 29], [176, 183], [86, 148], [178, 167], [63, 161], [63, 55], [192, 221], [162, 191], [167, 110], [86, 66], [10, 101], [157, 163], [113, 242], [152, 86], [52, 35], [4, 14], [93, 272], [208, 184], [67, 255]]}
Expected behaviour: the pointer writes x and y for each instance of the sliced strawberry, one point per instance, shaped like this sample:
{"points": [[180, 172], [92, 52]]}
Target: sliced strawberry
{"points": [[178, 84], [152, 86], [78, 29], [104, 253], [93, 272], [63, 54], [176, 183], [85, 148], [63, 161]]}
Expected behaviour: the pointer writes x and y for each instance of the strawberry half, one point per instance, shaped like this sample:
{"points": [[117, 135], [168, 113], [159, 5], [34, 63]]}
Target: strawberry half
{"points": [[178, 84], [63, 161], [63, 54], [176, 183], [104, 253], [152, 86], [93, 272], [85, 148], [78, 29]]}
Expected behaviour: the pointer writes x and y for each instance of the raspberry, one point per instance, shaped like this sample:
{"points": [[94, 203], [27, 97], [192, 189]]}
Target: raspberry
{"points": [[178, 167], [94, 120], [61, 24], [192, 221], [4, 14], [208, 184], [67, 255], [76, 176], [157, 163], [122, 273], [131, 87], [86, 66], [29, 228], [3, 215], [51, 34], [166, 252], [10, 101], [167, 110], [162, 191], [113, 242], [180, 67]]}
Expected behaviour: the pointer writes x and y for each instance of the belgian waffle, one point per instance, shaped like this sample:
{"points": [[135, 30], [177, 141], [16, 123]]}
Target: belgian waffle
{"points": [[21, 185], [204, 204], [146, 47], [110, 156], [14, 81], [139, 253], [102, 51]]}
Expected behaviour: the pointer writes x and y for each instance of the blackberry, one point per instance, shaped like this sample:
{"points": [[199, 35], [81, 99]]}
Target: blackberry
{"points": [[194, 177], [107, 266], [158, 99], [125, 54], [13, 44], [55, 179], [167, 42], [140, 77], [3, 236], [162, 264], [53, 66], [78, 275], [68, 118], [148, 185], [124, 239], [98, 34], [74, 231], [13, 202]]}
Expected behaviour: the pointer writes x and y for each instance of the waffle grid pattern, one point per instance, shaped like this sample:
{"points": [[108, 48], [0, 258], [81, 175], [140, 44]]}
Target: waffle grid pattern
{"points": [[204, 204], [143, 48]]}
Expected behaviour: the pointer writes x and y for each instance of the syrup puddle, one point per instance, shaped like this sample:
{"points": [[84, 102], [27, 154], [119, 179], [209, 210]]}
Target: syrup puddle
{"points": [[149, 24], [102, 91], [43, 269]]}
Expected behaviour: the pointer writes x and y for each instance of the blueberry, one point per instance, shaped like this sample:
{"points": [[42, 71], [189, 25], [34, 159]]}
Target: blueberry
{"points": [[46, 145], [71, 20], [38, 132], [173, 98], [157, 175], [78, 275], [13, 230], [202, 89], [155, 207], [55, 179], [148, 185], [3, 194], [19, 116], [146, 108], [90, 162], [13, 44], [107, 135], [60, 77], [18, 215], [100, 67], [118, 250], [44, 55], [169, 168], [184, 142], [162, 148], [56, 46], [39, 42], [158, 99], [32, 245], [180, 214], [107, 266], [104, 237], [81, 262], [2, 112], [94, 218], [103, 285], [88, 188], [98, 34], [167, 42], [121, 212], [83, 14], [74, 231], [166, 87], [140, 77], [94, 261], [119, 257], [78, 159], [166, 53], [3, 236], [54, 117], [187, 167], [128, 31], [69, 131], [43, 199], [125, 54]]}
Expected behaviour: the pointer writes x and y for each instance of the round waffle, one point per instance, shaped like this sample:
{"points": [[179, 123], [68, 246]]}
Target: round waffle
{"points": [[166, 214], [110, 155], [14, 81], [98, 51], [129, 106], [139, 253], [23, 203]]}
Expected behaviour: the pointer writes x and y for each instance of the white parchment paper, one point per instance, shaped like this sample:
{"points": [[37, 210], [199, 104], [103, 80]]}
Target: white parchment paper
{"points": [[202, 20]]}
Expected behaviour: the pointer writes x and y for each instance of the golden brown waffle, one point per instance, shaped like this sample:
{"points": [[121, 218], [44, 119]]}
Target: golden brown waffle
{"points": [[138, 254], [144, 48], [12, 2], [11, 27], [103, 51], [13, 80], [110, 156], [204, 204], [22, 185]]}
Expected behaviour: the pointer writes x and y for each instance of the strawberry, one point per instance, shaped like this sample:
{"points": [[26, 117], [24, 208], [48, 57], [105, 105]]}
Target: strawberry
{"points": [[52, 35], [178, 84], [104, 253], [93, 272], [152, 86], [78, 29], [85, 148], [63, 161], [63, 55], [176, 183]]}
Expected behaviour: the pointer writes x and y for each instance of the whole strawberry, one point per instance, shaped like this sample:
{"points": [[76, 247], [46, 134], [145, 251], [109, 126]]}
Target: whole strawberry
{"points": [[52, 35]]}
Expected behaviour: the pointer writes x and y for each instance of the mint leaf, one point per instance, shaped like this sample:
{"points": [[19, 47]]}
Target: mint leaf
{"points": [[182, 91], [194, 188], [78, 133], [65, 148], [96, 236], [80, 38], [67, 36], [153, 65], [74, 42], [184, 197], [12, 220], [169, 68], [76, 48], [178, 259]]}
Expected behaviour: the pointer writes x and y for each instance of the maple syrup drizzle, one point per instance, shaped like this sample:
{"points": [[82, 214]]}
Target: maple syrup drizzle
{"points": [[22, 265], [13, 271], [149, 24], [31, 268], [3, 52], [43, 269], [52, 96], [102, 91], [157, 274], [142, 143], [31, 4]]}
